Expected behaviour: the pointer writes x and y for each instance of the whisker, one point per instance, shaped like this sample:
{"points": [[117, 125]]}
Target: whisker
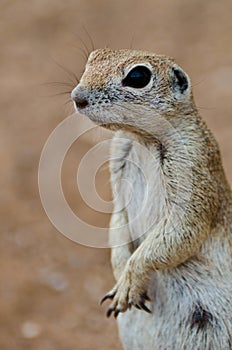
{"points": [[90, 38], [68, 101], [206, 108], [60, 93], [69, 105], [82, 51], [68, 71], [86, 50], [199, 82], [58, 83]]}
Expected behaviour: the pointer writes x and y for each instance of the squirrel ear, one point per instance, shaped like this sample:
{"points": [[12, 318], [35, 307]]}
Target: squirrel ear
{"points": [[180, 80]]}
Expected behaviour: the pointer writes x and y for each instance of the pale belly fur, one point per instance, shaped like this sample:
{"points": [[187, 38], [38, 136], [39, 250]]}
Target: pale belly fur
{"points": [[143, 192]]}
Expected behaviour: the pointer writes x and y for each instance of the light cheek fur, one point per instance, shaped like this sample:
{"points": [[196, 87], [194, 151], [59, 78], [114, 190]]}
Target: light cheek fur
{"points": [[171, 226]]}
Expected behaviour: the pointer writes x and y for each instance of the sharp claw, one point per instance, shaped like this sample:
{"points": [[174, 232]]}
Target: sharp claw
{"points": [[138, 307], [144, 307], [109, 295], [109, 312], [116, 312], [146, 297]]}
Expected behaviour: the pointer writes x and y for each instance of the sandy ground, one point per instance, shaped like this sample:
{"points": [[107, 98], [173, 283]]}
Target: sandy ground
{"points": [[50, 286]]}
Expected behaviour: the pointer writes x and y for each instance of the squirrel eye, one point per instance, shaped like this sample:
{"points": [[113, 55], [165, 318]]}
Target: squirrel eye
{"points": [[137, 78]]}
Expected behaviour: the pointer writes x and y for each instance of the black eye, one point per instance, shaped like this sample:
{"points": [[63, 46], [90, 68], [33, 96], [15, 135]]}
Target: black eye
{"points": [[137, 78]]}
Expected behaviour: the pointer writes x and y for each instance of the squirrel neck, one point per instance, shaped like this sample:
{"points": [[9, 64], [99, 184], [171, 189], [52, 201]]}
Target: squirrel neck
{"points": [[173, 131]]}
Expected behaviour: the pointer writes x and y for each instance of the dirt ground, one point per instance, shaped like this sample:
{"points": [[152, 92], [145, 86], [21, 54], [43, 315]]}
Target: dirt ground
{"points": [[50, 286]]}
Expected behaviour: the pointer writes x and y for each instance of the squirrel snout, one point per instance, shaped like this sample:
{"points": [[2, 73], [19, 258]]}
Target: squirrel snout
{"points": [[79, 100]]}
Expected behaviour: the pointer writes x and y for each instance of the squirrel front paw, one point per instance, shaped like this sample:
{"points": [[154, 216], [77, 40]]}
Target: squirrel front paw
{"points": [[127, 292]]}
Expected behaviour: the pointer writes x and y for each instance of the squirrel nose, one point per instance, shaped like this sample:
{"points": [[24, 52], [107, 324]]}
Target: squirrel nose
{"points": [[77, 97], [80, 102]]}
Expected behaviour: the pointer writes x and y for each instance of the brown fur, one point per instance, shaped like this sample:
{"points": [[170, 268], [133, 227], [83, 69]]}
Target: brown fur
{"points": [[177, 253]]}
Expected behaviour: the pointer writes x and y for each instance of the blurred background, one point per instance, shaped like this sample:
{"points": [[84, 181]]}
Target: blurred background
{"points": [[50, 286]]}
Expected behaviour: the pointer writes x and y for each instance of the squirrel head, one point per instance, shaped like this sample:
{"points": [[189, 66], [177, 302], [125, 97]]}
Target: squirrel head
{"points": [[130, 89]]}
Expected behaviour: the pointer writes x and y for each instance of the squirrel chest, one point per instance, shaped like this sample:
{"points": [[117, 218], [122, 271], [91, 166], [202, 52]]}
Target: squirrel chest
{"points": [[138, 184]]}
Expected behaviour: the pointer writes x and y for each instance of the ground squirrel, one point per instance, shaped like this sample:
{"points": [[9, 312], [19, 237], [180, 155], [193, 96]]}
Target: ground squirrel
{"points": [[171, 226]]}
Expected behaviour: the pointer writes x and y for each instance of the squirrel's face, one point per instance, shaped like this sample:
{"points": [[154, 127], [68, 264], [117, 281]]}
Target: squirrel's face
{"points": [[131, 88]]}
